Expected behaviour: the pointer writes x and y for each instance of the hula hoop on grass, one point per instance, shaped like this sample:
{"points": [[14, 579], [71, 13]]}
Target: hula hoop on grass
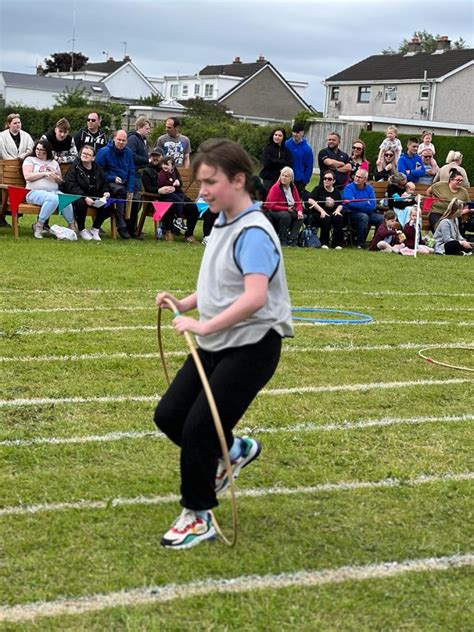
{"points": [[359, 320], [215, 415], [449, 366]]}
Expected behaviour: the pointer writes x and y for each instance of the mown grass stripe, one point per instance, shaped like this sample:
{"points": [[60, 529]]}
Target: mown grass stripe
{"points": [[16, 510], [169, 592], [287, 348], [310, 426], [330, 388]]}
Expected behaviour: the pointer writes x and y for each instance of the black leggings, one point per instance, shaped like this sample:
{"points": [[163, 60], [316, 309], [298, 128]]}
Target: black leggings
{"points": [[235, 375]]}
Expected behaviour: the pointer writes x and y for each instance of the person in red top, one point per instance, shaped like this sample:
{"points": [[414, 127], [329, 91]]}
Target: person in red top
{"points": [[284, 208]]}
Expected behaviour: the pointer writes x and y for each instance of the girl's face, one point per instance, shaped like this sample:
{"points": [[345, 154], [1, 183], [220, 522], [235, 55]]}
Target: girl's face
{"points": [[217, 190], [166, 166], [413, 216], [390, 134], [427, 139], [278, 137]]}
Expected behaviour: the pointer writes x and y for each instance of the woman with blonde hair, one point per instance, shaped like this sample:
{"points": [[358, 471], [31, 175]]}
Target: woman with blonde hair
{"points": [[453, 161], [448, 238], [284, 208], [14, 142]]}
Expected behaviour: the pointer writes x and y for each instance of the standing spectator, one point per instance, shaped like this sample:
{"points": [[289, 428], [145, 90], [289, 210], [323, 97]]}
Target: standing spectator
{"points": [[43, 176], [92, 134], [86, 178], [445, 192], [284, 208], [357, 159], [175, 144], [275, 156], [448, 238], [116, 160], [138, 146], [386, 167], [426, 138], [410, 162], [335, 159], [14, 142], [302, 157], [359, 199], [325, 202], [430, 165], [453, 161], [390, 143], [64, 148]]}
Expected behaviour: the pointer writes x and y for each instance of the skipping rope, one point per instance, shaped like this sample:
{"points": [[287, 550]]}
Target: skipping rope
{"points": [[215, 416], [421, 353]]}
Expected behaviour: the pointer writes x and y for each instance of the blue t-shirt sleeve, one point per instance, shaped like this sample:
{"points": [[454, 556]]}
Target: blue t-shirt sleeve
{"points": [[256, 253]]}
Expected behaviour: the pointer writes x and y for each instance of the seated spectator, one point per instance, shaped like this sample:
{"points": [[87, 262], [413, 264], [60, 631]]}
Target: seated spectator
{"points": [[410, 162], [275, 156], [284, 209], [390, 143], [426, 138], [359, 199], [430, 165], [357, 159], [325, 204], [453, 161], [42, 177], [64, 148], [408, 197], [92, 134], [333, 158], [447, 235], [14, 142], [409, 230], [395, 190], [86, 178], [387, 238], [169, 177], [386, 166], [444, 192]]}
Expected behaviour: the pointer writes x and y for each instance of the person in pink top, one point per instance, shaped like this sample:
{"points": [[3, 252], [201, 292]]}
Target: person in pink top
{"points": [[357, 159], [284, 209]]}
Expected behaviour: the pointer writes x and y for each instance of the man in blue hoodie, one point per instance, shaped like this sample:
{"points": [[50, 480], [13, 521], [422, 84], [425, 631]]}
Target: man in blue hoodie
{"points": [[410, 163], [302, 155], [116, 160]]}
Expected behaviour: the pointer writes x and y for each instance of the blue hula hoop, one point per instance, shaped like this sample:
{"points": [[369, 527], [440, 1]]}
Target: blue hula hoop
{"points": [[360, 320]]}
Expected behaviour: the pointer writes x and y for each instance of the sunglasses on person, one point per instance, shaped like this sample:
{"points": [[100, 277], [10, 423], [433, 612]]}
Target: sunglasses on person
{"points": [[330, 179], [389, 155], [92, 120], [357, 147]]}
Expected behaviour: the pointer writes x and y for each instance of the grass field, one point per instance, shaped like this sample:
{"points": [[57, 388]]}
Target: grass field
{"points": [[358, 514]]}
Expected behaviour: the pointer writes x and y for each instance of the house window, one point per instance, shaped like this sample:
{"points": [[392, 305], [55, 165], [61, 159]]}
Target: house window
{"points": [[184, 90], [174, 90], [197, 89], [363, 94], [208, 90], [424, 92], [390, 94], [335, 93]]}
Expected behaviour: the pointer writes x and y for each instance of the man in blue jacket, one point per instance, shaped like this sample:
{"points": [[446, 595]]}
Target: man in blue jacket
{"points": [[116, 160], [410, 163], [302, 157], [359, 199], [138, 146]]}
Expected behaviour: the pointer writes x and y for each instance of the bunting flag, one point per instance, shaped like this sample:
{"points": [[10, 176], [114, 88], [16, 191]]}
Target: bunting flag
{"points": [[202, 206], [64, 199], [427, 204], [111, 200], [160, 209], [16, 195]]}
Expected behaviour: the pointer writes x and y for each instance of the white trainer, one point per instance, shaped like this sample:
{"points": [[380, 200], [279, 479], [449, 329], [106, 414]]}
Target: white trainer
{"points": [[37, 232], [94, 233], [85, 234]]}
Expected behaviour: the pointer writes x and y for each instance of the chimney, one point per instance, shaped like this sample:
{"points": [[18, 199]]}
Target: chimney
{"points": [[442, 45], [110, 59], [127, 58], [237, 61], [261, 60], [413, 47]]}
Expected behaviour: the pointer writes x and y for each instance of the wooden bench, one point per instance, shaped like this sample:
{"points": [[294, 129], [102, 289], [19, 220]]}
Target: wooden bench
{"points": [[12, 175]]}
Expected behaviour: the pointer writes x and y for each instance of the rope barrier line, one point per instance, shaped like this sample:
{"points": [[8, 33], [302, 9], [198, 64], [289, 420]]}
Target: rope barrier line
{"points": [[438, 362], [362, 318], [217, 422]]}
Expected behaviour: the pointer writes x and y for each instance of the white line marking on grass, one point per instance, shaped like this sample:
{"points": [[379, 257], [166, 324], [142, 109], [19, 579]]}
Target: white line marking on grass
{"points": [[310, 426], [133, 597], [331, 388], [287, 348], [317, 292], [18, 510], [377, 321]]}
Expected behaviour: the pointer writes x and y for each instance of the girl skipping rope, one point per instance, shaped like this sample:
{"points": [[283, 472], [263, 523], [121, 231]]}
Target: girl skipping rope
{"points": [[244, 312]]}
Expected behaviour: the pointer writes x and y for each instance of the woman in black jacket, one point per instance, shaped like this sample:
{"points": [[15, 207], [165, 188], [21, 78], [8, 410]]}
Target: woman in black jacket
{"points": [[275, 157], [87, 179]]}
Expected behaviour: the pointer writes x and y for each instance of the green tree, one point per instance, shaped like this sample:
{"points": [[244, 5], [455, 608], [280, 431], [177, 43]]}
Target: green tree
{"points": [[74, 98], [151, 99], [207, 110], [427, 41], [62, 62]]}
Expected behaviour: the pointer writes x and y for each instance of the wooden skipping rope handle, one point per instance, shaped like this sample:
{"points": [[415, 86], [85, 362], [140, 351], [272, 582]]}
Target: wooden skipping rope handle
{"points": [[215, 415]]}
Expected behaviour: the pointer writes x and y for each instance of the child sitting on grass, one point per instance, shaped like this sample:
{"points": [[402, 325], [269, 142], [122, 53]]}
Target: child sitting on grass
{"points": [[409, 231], [387, 238]]}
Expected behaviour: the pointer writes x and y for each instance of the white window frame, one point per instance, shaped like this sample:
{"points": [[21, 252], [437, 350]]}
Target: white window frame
{"points": [[174, 90], [424, 91], [367, 91], [208, 90], [185, 90], [197, 89], [390, 94]]}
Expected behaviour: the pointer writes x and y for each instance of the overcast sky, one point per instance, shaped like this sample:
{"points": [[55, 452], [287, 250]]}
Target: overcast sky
{"points": [[306, 41]]}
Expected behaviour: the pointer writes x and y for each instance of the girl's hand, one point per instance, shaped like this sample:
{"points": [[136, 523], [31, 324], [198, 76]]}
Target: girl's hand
{"points": [[162, 298], [187, 323]]}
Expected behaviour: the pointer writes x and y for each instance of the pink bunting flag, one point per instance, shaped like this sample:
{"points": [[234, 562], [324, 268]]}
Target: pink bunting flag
{"points": [[16, 195], [64, 199], [160, 209]]}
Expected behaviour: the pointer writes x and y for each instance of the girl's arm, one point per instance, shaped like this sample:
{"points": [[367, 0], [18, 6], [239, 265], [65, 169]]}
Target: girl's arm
{"points": [[183, 305], [253, 298]]}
